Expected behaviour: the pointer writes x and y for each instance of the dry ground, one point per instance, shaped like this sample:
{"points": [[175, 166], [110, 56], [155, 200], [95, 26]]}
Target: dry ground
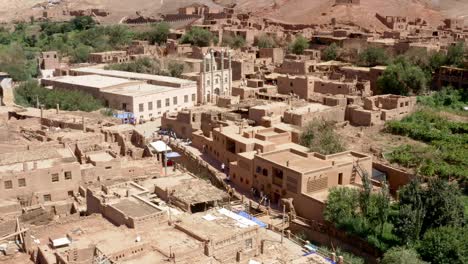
{"points": [[291, 11]]}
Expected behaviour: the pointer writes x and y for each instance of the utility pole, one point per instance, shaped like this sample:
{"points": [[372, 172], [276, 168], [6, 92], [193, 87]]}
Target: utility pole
{"points": [[165, 160], [282, 224]]}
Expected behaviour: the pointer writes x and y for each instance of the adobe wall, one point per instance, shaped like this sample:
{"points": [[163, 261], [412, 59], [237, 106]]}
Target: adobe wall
{"points": [[396, 178], [276, 54], [301, 86], [361, 117], [326, 234], [326, 87], [336, 114], [39, 182]]}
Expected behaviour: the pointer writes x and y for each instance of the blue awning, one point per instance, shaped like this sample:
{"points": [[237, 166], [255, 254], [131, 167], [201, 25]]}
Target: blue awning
{"points": [[252, 218], [172, 155]]}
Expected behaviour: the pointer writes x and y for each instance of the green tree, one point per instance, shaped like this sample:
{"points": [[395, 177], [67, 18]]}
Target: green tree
{"points": [[119, 36], [436, 60], [16, 61], [331, 52], [299, 45], [341, 205], [83, 23], [444, 205], [401, 255], [140, 65], [265, 41], [402, 78], [158, 33], [80, 53], [175, 69], [445, 245], [30, 93], [409, 219], [320, 137], [235, 42], [198, 37], [373, 56], [456, 55]]}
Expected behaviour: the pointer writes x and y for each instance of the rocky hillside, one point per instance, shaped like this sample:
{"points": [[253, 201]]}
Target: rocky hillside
{"points": [[291, 11]]}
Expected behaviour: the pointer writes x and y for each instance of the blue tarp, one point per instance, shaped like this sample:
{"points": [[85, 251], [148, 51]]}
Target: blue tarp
{"points": [[253, 219], [124, 115]]}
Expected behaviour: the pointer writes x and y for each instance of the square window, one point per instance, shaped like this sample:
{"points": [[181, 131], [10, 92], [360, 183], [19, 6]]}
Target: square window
{"points": [[47, 198], [68, 175], [55, 177], [21, 182], [8, 185]]}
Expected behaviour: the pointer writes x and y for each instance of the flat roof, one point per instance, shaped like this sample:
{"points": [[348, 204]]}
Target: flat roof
{"points": [[95, 81], [33, 155], [311, 107], [100, 156], [141, 89], [133, 75], [135, 208], [189, 189], [296, 162]]}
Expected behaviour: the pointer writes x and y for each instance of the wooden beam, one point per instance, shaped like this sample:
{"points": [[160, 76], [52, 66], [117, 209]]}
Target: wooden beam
{"points": [[14, 234]]}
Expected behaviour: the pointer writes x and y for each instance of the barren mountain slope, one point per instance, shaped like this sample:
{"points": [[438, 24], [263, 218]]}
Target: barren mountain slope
{"points": [[292, 11], [321, 11]]}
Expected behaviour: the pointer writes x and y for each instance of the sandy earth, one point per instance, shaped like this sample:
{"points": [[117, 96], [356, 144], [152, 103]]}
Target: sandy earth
{"points": [[291, 11]]}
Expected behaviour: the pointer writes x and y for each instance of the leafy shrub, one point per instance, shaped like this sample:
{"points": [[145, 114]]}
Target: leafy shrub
{"points": [[299, 45], [265, 41], [320, 137], [30, 93], [198, 37]]}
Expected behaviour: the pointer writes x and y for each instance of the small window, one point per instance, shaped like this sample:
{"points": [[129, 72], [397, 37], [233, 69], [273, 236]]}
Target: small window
{"points": [[168, 102], [265, 172], [158, 104], [193, 98], [174, 100], [340, 178], [207, 82], [259, 169], [8, 185], [401, 104], [150, 106], [68, 175], [47, 198], [216, 81], [141, 107], [21, 182], [248, 243], [185, 98], [70, 194], [108, 167], [55, 177]]}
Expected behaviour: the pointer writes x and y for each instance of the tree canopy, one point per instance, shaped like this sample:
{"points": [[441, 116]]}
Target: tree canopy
{"points": [[265, 41], [373, 56], [402, 78], [331, 52], [198, 37], [299, 45], [320, 137]]}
